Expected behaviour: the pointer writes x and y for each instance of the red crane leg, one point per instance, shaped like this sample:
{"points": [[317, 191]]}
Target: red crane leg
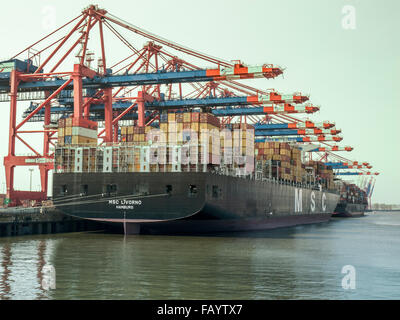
{"points": [[9, 167], [86, 108], [115, 136], [108, 115], [78, 98], [44, 172], [46, 137], [9, 179], [44, 179], [140, 103], [13, 111]]}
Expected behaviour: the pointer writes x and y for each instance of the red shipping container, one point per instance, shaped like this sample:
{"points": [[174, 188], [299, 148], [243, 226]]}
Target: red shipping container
{"points": [[195, 116], [203, 117], [85, 123]]}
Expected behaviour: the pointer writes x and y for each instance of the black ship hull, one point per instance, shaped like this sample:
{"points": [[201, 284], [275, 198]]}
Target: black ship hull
{"points": [[186, 202], [349, 210]]}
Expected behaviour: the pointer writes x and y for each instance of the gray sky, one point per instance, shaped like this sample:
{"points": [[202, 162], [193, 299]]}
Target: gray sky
{"points": [[350, 73]]}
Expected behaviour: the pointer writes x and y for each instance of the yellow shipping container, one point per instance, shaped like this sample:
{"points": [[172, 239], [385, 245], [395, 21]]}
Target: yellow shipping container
{"points": [[276, 157], [195, 126], [285, 152], [83, 140], [285, 164], [164, 127], [61, 132], [203, 126], [187, 117], [172, 137], [172, 127], [171, 117]]}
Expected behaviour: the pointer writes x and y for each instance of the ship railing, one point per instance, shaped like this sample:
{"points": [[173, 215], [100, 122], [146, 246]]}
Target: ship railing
{"points": [[145, 158], [157, 157], [288, 182]]}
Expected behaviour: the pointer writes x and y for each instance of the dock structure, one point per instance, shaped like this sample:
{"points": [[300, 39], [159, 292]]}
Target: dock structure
{"points": [[15, 221]]}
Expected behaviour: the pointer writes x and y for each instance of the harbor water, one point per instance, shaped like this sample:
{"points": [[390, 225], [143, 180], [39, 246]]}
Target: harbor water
{"points": [[304, 262]]}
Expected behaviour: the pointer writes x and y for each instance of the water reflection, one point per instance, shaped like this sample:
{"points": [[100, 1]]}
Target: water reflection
{"points": [[294, 263], [21, 272], [5, 264], [41, 262], [150, 267]]}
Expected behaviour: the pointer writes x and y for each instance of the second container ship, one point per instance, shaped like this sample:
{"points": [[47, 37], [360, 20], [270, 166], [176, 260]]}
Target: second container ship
{"points": [[353, 201]]}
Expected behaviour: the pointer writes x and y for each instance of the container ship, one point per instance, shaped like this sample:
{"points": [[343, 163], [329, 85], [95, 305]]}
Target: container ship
{"points": [[177, 151], [190, 175], [353, 201]]}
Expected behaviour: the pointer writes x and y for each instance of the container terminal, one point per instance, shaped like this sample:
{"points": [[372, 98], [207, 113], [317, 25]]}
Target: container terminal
{"points": [[163, 138]]}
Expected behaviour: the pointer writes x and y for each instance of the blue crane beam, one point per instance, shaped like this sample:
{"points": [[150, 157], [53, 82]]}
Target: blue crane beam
{"points": [[259, 132], [299, 139], [179, 103], [238, 71], [271, 126], [334, 163], [348, 173], [288, 139], [294, 131], [295, 125], [115, 81], [238, 111], [331, 148], [211, 102], [338, 167], [343, 165]]}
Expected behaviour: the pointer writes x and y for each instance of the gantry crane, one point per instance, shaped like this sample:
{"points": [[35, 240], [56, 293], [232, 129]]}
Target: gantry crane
{"points": [[57, 75]]}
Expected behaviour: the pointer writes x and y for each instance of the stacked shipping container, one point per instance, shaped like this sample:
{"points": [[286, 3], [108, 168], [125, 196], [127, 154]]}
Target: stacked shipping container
{"points": [[323, 173], [73, 131], [200, 131], [207, 142], [81, 133], [284, 158]]}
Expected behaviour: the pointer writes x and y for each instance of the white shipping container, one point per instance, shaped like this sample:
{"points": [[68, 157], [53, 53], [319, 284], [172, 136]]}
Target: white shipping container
{"points": [[84, 132]]}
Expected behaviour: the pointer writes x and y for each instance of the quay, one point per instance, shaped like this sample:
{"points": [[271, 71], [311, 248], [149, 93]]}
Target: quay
{"points": [[18, 221]]}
